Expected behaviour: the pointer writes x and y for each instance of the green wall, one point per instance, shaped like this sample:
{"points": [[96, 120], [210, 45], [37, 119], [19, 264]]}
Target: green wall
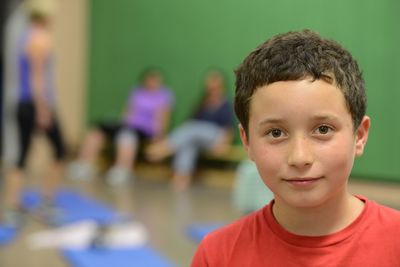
{"points": [[185, 38]]}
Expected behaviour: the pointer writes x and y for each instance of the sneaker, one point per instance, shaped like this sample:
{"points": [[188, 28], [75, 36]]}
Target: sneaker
{"points": [[13, 218], [79, 170], [119, 176], [99, 240], [49, 214]]}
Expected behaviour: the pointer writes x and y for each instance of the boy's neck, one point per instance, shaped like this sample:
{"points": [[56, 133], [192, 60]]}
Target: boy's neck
{"points": [[331, 217]]}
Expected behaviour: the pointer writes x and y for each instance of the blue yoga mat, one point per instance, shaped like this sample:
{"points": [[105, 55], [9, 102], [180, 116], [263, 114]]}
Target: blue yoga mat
{"points": [[140, 257], [7, 234], [198, 231], [74, 206]]}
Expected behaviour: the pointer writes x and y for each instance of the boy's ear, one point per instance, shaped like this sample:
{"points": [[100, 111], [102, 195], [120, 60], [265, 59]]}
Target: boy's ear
{"points": [[362, 135], [245, 140]]}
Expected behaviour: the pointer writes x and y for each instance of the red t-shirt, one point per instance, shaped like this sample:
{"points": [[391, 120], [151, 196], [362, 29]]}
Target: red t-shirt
{"points": [[372, 240]]}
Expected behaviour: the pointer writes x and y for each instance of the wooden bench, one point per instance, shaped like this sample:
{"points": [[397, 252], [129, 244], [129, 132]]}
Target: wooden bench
{"points": [[234, 154], [212, 170]]}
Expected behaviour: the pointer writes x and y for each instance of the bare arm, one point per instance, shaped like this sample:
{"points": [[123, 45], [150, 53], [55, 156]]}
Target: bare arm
{"points": [[163, 120], [37, 50]]}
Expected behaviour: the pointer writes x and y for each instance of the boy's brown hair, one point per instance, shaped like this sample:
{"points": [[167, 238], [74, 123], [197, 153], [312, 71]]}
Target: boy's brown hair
{"points": [[295, 56]]}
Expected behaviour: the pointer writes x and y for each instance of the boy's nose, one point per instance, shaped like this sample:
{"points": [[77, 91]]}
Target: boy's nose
{"points": [[300, 152]]}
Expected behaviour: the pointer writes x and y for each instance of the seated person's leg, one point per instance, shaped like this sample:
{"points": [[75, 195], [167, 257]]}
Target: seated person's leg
{"points": [[84, 166], [182, 136], [183, 166], [92, 145], [127, 142]]}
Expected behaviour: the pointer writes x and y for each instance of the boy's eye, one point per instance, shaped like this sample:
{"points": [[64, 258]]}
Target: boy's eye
{"points": [[323, 129], [275, 133]]}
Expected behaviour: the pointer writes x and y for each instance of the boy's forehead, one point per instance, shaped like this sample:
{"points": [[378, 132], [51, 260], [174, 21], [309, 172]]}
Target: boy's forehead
{"points": [[292, 95], [289, 83]]}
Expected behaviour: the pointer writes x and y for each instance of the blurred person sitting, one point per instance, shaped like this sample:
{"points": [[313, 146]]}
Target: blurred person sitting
{"points": [[36, 112], [146, 119], [210, 129]]}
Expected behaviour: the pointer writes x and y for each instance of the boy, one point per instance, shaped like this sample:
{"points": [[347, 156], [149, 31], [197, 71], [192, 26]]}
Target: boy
{"points": [[301, 104]]}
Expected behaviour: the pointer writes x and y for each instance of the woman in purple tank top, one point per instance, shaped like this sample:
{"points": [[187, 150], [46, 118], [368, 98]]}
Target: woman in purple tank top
{"points": [[146, 119]]}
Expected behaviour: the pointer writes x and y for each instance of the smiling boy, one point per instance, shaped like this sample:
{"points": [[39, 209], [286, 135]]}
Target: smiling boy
{"points": [[301, 103]]}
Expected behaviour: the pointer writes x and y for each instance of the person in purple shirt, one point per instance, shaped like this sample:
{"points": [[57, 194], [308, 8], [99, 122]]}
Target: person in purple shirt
{"points": [[146, 119], [210, 129]]}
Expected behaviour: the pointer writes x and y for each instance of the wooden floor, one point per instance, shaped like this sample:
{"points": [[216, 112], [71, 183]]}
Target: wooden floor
{"points": [[167, 214]]}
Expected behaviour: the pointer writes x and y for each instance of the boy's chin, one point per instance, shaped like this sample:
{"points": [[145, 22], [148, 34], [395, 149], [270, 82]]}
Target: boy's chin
{"points": [[303, 200]]}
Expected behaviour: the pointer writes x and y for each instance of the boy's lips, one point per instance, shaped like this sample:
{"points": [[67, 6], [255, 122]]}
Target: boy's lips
{"points": [[302, 181]]}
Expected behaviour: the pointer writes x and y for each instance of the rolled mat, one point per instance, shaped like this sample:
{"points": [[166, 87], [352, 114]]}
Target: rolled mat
{"points": [[140, 257], [7, 234], [74, 207]]}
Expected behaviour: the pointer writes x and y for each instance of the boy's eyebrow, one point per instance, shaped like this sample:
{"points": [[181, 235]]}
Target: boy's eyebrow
{"points": [[321, 117], [271, 120], [317, 117]]}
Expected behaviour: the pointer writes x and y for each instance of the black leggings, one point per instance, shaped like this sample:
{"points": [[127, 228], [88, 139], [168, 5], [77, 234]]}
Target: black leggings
{"points": [[26, 119], [112, 129]]}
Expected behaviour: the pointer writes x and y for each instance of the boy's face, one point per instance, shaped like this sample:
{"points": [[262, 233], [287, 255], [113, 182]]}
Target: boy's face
{"points": [[302, 140]]}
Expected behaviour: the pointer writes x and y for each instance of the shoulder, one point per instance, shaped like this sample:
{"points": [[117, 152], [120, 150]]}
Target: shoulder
{"points": [[384, 221], [227, 103], [387, 215], [227, 108], [166, 91], [136, 91], [166, 95]]}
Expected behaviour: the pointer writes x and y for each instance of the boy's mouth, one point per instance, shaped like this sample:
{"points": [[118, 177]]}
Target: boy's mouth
{"points": [[302, 181]]}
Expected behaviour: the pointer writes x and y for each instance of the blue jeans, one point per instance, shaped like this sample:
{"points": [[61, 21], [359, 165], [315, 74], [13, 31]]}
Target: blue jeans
{"points": [[188, 140]]}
